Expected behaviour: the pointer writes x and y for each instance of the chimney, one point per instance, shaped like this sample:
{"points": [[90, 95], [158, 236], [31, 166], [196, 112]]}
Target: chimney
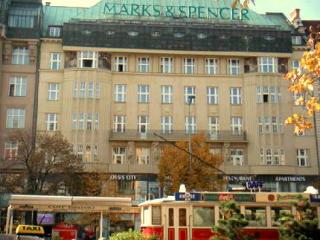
{"points": [[48, 3], [295, 15]]}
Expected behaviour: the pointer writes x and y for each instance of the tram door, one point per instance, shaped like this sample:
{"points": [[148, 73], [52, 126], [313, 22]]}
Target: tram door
{"points": [[178, 223]]}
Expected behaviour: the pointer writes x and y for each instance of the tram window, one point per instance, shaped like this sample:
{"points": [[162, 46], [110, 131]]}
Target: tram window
{"points": [[145, 215], [256, 216], [171, 217], [182, 217], [277, 212], [203, 216], [156, 215]]}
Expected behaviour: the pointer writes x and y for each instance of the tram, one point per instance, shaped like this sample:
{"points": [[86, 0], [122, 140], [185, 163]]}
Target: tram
{"points": [[190, 216]]}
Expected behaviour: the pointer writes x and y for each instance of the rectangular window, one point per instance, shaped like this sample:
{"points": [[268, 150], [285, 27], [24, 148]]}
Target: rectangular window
{"points": [[55, 61], [267, 64], [143, 124], [166, 124], [98, 90], [143, 64], [74, 121], [203, 216], [17, 87], [212, 95], [166, 65], [302, 157], [156, 215], [256, 216], [81, 120], [119, 124], [237, 157], [53, 91], [80, 150], [296, 40], [295, 64], [120, 64], [89, 121], [119, 155], [189, 66], [90, 90], [267, 94], [235, 96], [96, 120], [190, 95], [52, 122], [213, 127], [276, 214], [234, 66], [120, 93], [54, 31], [82, 90], [20, 55], [211, 66], [15, 118], [272, 156], [236, 125], [87, 59], [143, 93], [143, 156], [182, 217], [10, 150], [22, 17], [190, 124], [95, 152], [166, 94]]}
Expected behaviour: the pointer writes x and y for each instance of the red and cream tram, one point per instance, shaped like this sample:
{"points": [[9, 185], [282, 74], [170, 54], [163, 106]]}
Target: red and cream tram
{"points": [[190, 216]]}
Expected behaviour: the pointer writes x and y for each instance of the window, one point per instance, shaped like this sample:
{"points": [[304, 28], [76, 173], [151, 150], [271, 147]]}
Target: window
{"points": [[95, 152], [276, 213], [235, 96], [74, 121], [296, 40], [143, 123], [121, 64], [236, 125], [119, 155], [272, 156], [10, 150], [211, 66], [90, 90], [295, 64], [166, 65], [212, 95], [143, 155], [15, 118], [20, 55], [89, 121], [166, 94], [234, 66], [119, 124], [189, 66], [55, 61], [86, 89], [17, 87], [54, 31], [190, 95], [80, 150], [182, 217], [236, 157], [81, 120], [53, 91], [267, 64], [22, 17], [156, 215], [143, 93], [143, 64], [267, 94], [302, 157], [190, 124], [256, 216], [87, 59], [82, 90], [52, 122], [96, 120], [213, 127], [87, 154], [171, 217], [120, 93], [166, 124], [203, 216]]}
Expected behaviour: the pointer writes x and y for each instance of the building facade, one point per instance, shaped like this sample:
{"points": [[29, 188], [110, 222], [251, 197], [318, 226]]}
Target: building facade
{"points": [[113, 74]]}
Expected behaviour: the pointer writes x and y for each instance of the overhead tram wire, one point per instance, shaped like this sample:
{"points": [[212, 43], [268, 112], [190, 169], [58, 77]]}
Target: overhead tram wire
{"points": [[191, 154]]}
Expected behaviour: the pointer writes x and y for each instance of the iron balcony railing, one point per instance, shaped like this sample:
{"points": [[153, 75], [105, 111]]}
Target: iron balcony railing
{"points": [[176, 135]]}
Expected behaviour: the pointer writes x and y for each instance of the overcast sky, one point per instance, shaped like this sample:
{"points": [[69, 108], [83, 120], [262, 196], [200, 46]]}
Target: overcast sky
{"points": [[310, 9]]}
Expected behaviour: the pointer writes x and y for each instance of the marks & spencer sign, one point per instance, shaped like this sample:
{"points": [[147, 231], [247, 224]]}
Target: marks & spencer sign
{"points": [[200, 12]]}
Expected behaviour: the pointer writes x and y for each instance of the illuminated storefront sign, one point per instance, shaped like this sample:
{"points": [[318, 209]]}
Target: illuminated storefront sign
{"points": [[200, 12]]}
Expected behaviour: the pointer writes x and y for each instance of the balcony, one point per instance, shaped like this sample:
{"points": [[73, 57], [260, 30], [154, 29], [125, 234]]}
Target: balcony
{"points": [[178, 135]]}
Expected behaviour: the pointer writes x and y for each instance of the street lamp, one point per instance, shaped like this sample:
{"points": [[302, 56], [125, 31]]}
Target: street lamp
{"points": [[190, 100]]}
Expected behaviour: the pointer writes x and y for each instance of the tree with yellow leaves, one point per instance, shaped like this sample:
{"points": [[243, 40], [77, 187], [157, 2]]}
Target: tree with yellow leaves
{"points": [[302, 81], [202, 173]]}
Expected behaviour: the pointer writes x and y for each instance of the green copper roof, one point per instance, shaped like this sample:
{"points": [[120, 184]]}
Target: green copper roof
{"points": [[54, 15]]}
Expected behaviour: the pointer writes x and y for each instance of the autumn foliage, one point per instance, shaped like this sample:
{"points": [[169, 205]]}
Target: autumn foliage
{"points": [[200, 175]]}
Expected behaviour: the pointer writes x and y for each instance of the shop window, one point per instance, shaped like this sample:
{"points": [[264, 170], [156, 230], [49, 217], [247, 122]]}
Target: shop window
{"points": [[203, 216], [256, 216]]}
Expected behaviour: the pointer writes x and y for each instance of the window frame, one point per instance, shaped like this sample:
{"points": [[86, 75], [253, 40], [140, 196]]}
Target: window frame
{"points": [[119, 153], [55, 61], [166, 65], [51, 122], [19, 84], [143, 93], [235, 95], [120, 61], [53, 93], [189, 67], [166, 94], [211, 66]]}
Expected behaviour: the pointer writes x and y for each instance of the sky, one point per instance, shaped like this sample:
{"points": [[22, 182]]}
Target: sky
{"points": [[310, 9]]}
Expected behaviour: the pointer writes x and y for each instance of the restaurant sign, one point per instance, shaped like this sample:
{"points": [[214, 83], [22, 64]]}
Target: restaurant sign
{"points": [[200, 12], [229, 196]]}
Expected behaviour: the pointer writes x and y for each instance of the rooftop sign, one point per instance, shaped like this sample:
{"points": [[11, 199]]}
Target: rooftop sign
{"points": [[200, 12]]}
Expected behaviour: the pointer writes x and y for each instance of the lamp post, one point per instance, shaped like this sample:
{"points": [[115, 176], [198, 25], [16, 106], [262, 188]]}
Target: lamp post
{"points": [[189, 102]]}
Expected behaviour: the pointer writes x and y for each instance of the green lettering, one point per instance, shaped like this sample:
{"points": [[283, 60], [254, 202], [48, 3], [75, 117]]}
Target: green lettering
{"points": [[124, 10], [156, 10], [201, 12], [235, 13], [169, 11], [135, 10], [183, 11], [224, 16], [107, 9], [214, 12], [244, 14], [145, 10], [192, 11]]}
